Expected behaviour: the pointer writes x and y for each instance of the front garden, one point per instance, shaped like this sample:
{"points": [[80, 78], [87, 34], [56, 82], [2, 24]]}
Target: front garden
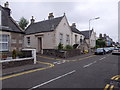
{"points": [[63, 51]]}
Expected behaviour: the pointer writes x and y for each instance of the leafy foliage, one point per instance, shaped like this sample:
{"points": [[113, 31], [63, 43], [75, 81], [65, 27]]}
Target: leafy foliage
{"points": [[23, 23], [14, 54], [68, 47], [100, 43], [60, 46]]}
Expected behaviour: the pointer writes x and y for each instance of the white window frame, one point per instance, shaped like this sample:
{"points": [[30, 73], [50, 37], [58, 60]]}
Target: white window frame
{"points": [[28, 41], [76, 37], [0, 17], [67, 39], [4, 41], [61, 38]]}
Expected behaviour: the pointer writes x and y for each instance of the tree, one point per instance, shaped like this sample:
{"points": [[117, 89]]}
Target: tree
{"points": [[23, 23], [100, 43]]}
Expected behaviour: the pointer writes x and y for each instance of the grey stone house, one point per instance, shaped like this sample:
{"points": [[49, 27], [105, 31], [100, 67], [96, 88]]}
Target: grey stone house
{"points": [[11, 35]]}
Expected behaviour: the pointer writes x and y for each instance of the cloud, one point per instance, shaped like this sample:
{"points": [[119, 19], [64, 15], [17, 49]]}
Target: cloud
{"points": [[78, 11]]}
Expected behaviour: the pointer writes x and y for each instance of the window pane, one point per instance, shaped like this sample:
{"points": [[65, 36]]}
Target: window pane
{"points": [[4, 46]]}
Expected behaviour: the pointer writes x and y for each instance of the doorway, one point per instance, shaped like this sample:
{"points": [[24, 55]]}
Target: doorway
{"points": [[40, 45]]}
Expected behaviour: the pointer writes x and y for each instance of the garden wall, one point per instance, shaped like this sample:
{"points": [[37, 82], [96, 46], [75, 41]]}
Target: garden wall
{"points": [[62, 53], [16, 63]]}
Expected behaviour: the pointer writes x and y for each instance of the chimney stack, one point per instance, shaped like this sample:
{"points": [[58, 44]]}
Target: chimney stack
{"points": [[6, 8], [51, 16], [6, 5], [73, 25], [32, 20]]}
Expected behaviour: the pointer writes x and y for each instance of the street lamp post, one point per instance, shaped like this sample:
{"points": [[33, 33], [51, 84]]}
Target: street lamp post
{"points": [[89, 28]]}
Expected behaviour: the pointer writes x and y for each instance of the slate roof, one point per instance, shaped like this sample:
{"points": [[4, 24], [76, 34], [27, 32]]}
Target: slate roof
{"points": [[86, 33], [75, 30], [43, 26], [7, 22]]}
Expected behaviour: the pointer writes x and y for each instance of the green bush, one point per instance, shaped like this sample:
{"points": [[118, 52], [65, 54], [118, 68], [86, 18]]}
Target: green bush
{"points": [[60, 46], [14, 54], [68, 47]]}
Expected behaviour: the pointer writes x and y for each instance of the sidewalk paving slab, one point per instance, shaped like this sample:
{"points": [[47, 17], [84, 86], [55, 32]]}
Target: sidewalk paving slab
{"points": [[14, 70]]}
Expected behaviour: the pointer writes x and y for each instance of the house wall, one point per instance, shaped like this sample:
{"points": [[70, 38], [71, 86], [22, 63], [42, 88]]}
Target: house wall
{"points": [[15, 40], [78, 38], [48, 40], [63, 28], [93, 40]]}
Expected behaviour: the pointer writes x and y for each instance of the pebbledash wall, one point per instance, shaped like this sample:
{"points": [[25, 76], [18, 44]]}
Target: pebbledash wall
{"points": [[63, 28], [48, 40], [79, 36], [93, 40]]}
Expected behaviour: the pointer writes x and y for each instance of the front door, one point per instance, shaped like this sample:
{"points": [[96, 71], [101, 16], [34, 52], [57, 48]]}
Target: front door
{"points": [[39, 44]]}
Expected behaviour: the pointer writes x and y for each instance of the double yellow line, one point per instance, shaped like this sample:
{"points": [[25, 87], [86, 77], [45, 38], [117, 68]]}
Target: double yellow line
{"points": [[30, 71], [110, 87]]}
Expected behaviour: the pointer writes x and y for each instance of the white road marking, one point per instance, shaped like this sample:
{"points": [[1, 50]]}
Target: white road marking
{"points": [[53, 80], [94, 61], [87, 65], [102, 58], [59, 62]]}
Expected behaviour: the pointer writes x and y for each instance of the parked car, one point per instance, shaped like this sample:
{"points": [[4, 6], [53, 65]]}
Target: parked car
{"points": [[116, 51], [106, 50], [100, 51]]}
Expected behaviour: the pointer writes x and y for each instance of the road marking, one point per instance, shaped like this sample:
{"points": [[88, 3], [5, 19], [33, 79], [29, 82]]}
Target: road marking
{"points": [[67, 60], [115, 77], [106, 87], [111, 88], [30, 71], [59, 62], [87, 65], [53, 79], [102, 58], [94, 61]]}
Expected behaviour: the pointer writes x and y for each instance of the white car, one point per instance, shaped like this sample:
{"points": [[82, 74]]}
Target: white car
{"points": [[116, 51]]}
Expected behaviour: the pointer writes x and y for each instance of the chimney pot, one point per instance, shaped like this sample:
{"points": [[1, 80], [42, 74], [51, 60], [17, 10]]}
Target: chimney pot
{"points": [[74, 25], [32, 20], [51, 16], [6, 5]]}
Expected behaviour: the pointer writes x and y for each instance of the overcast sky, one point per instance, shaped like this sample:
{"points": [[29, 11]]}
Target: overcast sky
{"points": [[77, 11]]}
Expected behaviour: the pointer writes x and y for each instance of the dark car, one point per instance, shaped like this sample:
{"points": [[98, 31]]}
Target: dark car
{"points": [[99, 51]]}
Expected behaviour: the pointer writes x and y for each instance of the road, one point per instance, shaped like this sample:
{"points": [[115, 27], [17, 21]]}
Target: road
{"points": [[94, 71]]}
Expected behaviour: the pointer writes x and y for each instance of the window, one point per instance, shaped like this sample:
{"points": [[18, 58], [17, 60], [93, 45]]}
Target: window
{"points": [[67, 39], [4, 39], [75, 39], [20, 41], [0, 17], [28, 41], [13, 40], [61, 38], [81, 39]]}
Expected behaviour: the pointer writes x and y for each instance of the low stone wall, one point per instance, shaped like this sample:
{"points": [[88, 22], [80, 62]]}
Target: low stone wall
{"points": [[16, 63], [62, 53]]}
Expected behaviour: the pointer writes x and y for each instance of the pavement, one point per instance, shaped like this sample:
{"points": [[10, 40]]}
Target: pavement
{"points": [[19, 69], [14, 70]]}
